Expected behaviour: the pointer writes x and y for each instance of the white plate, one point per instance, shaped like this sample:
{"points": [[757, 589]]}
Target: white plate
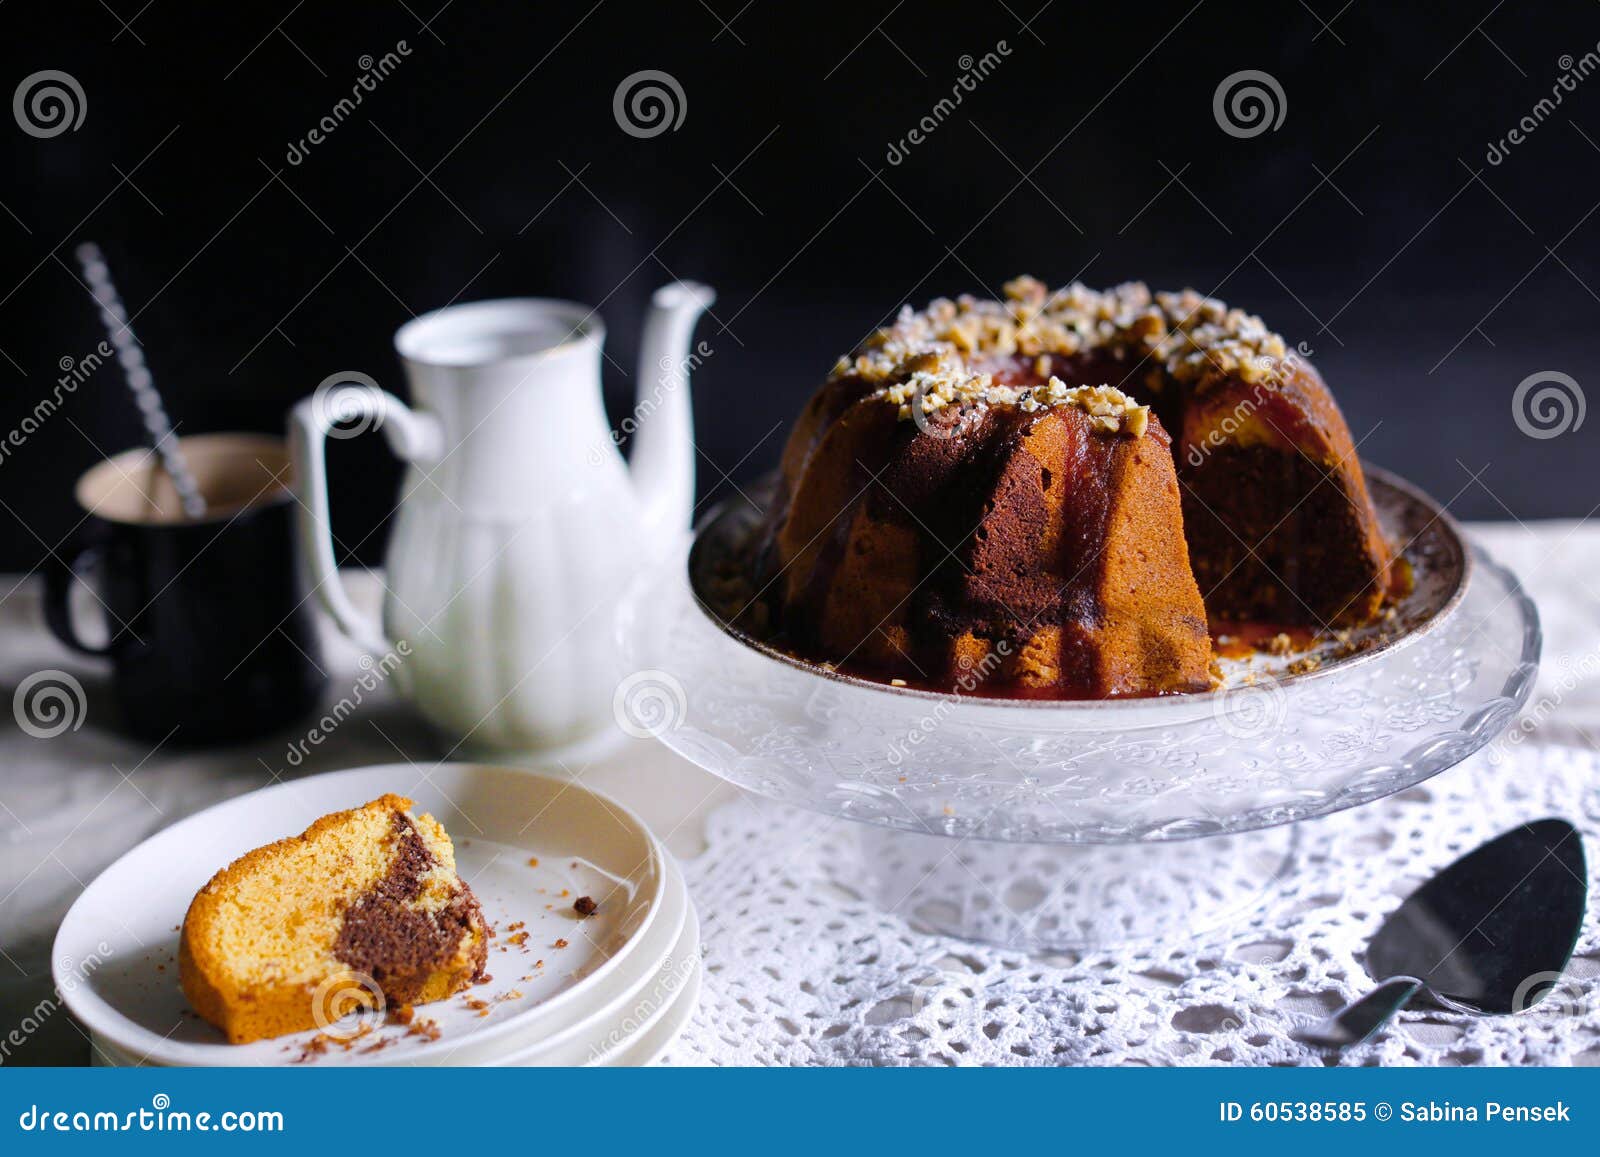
{"points": [[648, 970], [115, 954], [652, 1040], [105, 1055], [633, 1029], [608, 1037], [654, 1045]]}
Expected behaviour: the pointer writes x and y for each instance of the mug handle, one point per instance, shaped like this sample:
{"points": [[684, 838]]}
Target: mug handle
{"points": [[59, 575], [412, 436]]}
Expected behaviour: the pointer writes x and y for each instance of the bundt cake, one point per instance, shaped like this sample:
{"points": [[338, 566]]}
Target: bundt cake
{"points": [[1051, 496], [363, 908]]}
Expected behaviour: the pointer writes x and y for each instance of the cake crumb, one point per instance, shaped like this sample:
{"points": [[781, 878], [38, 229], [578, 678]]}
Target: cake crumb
{"points": [[533, 861], [317, 1045], [561, 943], [1281, 644], [425, 1028], [585, 906]]}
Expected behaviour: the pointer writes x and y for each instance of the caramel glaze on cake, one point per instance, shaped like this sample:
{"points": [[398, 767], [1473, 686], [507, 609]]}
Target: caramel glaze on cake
{"points": [[976, 497]]}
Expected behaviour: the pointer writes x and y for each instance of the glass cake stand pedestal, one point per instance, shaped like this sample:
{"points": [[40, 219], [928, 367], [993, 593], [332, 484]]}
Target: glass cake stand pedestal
{"points": [[1046, 825], [1043, 897]]}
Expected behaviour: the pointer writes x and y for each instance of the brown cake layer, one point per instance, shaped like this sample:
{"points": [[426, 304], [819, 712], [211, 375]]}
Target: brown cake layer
{"points": [[952, 512], [388, 936]]}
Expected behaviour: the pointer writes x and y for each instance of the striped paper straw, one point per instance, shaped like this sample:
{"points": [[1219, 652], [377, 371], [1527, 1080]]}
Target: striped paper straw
{"points": [[143, 386]]}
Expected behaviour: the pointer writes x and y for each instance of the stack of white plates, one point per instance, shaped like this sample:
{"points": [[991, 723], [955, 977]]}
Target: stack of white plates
{"points": [[617, 990]]}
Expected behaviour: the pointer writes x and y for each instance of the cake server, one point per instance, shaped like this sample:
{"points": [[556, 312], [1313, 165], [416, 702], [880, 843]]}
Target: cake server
{"points": [[1490, 934]]}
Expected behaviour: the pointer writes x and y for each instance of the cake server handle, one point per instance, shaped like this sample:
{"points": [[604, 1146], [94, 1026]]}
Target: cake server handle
{"points": [[1357, 1021]]}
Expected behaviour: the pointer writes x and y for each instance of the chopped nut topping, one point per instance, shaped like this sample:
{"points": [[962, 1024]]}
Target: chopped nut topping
{"points": [[1192, 338], [1110, 410]]}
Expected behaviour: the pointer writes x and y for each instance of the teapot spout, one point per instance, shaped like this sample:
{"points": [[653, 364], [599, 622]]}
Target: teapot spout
{"points": [[663, 445]]}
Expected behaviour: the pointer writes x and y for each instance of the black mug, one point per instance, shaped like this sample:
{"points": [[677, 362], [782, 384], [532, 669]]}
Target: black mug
{"points": [[211, 635]]}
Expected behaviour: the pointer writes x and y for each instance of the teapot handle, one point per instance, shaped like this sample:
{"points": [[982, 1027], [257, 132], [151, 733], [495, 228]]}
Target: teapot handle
{"points": [[413, 437]]}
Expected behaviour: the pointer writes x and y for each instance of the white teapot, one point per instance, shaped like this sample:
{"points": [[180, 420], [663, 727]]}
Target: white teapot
{"points": [[519, 525]]}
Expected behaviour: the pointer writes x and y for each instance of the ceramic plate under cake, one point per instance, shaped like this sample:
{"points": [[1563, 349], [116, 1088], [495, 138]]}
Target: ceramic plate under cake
{"points": [[1429, 539], [528, 844]]}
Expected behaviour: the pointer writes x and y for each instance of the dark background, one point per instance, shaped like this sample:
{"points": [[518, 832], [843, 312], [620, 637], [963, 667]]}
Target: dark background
{"points": [[1370, 224]]}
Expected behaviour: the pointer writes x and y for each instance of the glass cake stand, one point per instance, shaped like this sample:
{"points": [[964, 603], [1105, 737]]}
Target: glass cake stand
{"points": [[1078, 824]]}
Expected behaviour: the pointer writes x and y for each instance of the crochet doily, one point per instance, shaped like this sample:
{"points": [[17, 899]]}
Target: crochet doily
{"points": [[801, 969]]}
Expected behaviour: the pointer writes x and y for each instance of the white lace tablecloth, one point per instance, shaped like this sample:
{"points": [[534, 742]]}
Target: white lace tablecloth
{"points": [[801, 970]]}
